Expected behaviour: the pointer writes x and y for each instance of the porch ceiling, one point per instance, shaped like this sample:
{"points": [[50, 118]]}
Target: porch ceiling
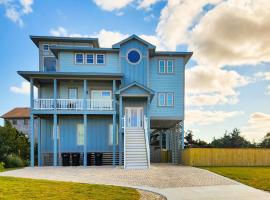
{"points": [[163, 123]]}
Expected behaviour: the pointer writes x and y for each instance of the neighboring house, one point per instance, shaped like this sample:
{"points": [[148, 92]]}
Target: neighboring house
{"points": [[110, 100], [19, 119]]}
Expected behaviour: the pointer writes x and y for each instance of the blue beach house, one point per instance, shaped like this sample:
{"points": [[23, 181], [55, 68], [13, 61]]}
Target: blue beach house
{"points": [[105, 105]]}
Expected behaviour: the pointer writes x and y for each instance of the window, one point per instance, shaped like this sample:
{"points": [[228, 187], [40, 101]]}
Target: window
{"points": [[49, 64], [111, 134], [25, 121], [80, 134], [169, 99], [161, 99], [45, 47], [133, 56], [165, 99], [161, 66], [79, 58], [101, 94], [169, 66], [90, 58], [72, 93], [14, 121], [165, 66], [100, 59]]}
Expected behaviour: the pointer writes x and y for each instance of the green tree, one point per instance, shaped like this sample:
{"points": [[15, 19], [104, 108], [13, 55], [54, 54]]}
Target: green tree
{"points": [[231, 140], [13, 142], [191, 143], [266, 141]]}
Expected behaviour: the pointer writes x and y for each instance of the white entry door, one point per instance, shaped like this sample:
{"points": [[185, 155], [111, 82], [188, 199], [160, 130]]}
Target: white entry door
{"points": [[134, 116]]}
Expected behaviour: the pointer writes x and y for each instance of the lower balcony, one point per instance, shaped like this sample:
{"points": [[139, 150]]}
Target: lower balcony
{"points": [[73, 104]]}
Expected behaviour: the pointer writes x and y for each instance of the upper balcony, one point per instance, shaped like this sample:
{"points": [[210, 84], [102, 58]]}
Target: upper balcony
{"points": [[73, 93]]}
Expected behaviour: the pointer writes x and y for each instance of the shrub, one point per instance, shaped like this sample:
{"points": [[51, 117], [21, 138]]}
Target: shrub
{"points": [[2, 165], [14, 161]]}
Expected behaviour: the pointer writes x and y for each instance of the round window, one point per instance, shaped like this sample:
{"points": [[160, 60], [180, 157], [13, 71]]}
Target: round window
{"points": [[133, 56]]}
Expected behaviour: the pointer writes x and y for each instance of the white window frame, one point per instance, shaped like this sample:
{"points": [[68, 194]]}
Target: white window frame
{"points": [[101, 92], [164, 98], [45, 45], [80, 135], [170, 93], [75, 60], [86, 58], [73, 89], [104, 57], [168, 65], [159, 61]]}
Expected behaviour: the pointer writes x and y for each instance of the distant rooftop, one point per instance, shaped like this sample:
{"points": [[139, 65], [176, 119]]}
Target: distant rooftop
{"points": [[19, 112], [37, 39]]}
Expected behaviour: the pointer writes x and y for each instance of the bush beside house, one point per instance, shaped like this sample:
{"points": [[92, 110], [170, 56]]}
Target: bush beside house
{"points": [[14, 148]]}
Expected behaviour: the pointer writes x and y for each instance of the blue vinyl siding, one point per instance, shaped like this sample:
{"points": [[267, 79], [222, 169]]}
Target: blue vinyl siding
{"points": [[134, 72], [67, 64], [167, 83], [97, 134]]}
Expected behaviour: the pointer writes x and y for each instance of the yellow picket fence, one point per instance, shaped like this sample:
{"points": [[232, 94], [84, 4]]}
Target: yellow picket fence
{"points": [[226, 157]]}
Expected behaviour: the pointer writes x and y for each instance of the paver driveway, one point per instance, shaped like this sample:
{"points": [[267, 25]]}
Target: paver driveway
{"points": [[175, 182]]}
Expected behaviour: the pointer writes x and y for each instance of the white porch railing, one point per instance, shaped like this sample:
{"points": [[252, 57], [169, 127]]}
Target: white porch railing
{"points": [[124, 128], [145, 125], [73, 104]]}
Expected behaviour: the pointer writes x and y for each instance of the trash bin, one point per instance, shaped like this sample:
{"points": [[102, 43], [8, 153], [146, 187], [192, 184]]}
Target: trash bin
{"points": [[98, 159], [89, 156], [65, 159], [75, 159]]}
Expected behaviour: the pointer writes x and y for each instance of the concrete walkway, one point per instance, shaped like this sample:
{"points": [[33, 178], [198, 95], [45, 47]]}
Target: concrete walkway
{"points": [[174, 182]]}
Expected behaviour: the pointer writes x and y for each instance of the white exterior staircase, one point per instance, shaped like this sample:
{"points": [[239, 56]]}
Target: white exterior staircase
{"points": [[136, 147]]}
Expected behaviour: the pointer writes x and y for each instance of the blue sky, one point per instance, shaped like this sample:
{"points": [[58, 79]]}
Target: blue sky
{"points": [[227, 80]]}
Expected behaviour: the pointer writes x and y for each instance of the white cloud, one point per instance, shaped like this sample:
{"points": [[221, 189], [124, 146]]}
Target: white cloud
{"points": [[14, 10], [111, 5], [257, 127], [202, 117], [211, 86], [148, 18], [263, 75], [24, 88], [146, 4], [106, 38]]}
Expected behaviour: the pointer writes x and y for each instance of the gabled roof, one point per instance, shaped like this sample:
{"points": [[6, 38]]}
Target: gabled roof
{"points": [[150, 46], [37, 39], [19, 112], [136, 84]]}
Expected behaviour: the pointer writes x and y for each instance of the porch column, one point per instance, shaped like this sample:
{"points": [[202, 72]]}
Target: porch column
{"points": [[160, 139], [120, 129], [54, 93], [39, 142], [32, 140], [114, 123], [84, 94], [55, 140], [148, 117], [32, 133], [85, 140]]}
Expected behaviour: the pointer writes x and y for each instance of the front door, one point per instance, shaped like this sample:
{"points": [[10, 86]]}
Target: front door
{"points": [[134, 116]]}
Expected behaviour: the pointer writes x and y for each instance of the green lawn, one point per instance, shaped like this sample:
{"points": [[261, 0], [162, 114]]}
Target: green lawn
{"points": [[21, 188], [258, 177]]}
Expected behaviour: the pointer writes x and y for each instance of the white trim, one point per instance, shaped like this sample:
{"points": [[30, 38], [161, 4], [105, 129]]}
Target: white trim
{"points": [[85, 57], [104, 57], [171, 93], [164, 66], [164, 98], [47, 45], [101, 92], [75, 60], [168, 65], [133, 49]]}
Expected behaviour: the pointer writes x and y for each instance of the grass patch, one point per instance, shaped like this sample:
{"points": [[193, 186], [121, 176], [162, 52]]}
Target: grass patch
{"points": [[258, 177], [9, 169], [21, 188]]}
